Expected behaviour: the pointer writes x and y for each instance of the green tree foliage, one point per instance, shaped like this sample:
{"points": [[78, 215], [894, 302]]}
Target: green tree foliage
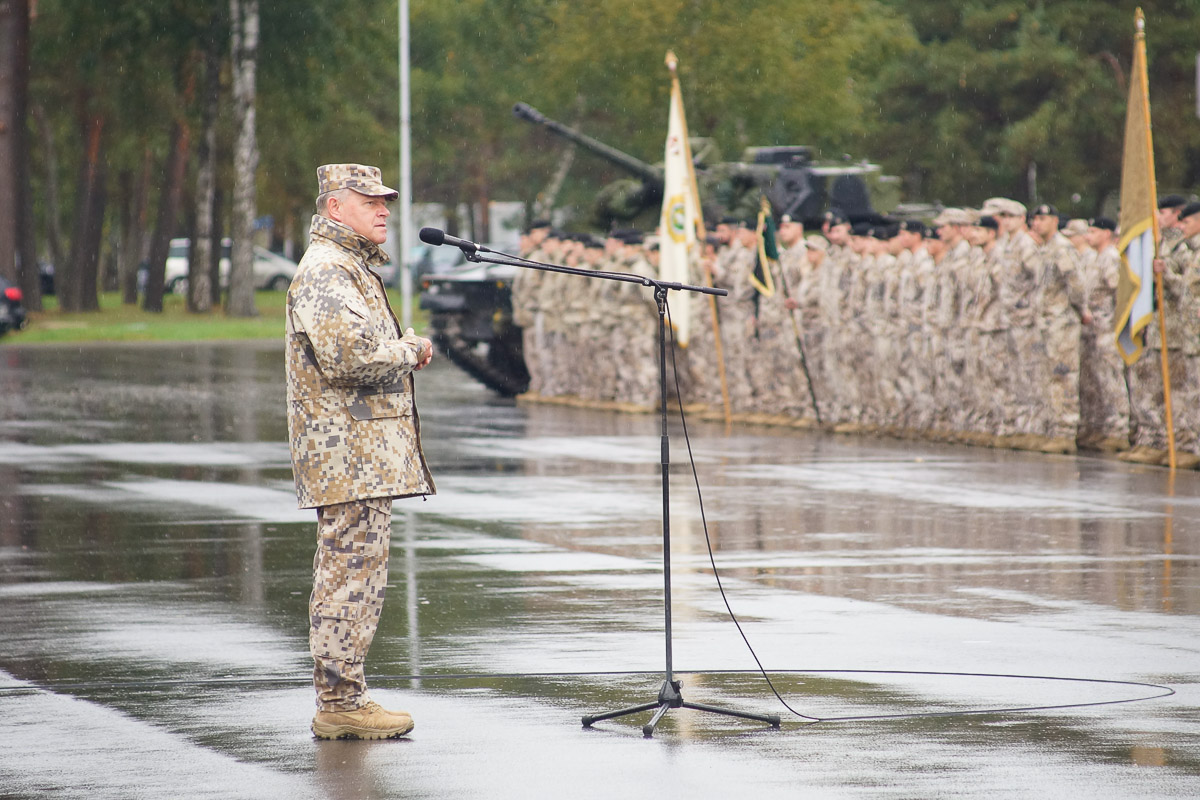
{"points": [[1016, 98], [962, 98]]}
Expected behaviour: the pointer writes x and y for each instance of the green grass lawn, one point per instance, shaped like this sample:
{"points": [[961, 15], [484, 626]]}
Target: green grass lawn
{"points": [[117, 322]]}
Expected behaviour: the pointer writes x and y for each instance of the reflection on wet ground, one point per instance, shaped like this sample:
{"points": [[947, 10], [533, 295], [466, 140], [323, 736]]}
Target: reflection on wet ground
{"points": [[154, 577]]}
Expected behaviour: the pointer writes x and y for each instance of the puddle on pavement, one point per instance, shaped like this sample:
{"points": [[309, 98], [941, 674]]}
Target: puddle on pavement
{"points": [[151, 556]]}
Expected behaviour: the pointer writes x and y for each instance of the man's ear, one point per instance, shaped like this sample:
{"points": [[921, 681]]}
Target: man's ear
{"points": [[333, 207]]}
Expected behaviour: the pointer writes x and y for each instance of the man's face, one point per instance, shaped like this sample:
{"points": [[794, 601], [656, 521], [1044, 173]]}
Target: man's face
{"points": [[908, 239], [838, 234], [724, 232], [790, 233], [1097, 238], [365, 215], [951, 234], [1190, 225], [1168, 218], [1045, 226], [1010, 223]]}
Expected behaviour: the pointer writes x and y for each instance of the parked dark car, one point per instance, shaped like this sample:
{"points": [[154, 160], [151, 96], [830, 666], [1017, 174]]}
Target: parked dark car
{"points": [[12, 312]]}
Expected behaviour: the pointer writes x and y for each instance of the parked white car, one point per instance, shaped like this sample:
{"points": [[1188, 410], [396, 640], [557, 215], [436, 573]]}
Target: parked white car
{"points": [[271, 270]]}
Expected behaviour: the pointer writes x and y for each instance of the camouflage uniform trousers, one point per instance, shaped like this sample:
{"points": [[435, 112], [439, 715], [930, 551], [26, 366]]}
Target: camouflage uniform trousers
{"points": [[736, 337], [1058, 416], [775, 371], [1026, 390], [349, 581], [531, 347], [991, 382], [952, 396], [1148, 406], [636, 359], [886, 354], [1103, 392], [844, 404]]}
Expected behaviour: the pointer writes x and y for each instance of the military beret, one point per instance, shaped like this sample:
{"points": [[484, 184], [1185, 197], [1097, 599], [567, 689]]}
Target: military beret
{"points": [[861, 229], [362, 179], [1189, 209], [834, 216], [913, 226], [1103, 223], [1045, 210], [1172, 201], [727, 220], [932, 233], [988, 222], [539, 223]]}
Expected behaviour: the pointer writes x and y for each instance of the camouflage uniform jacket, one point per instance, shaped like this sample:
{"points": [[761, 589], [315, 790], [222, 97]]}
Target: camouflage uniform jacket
{"points": [[352, 419]]}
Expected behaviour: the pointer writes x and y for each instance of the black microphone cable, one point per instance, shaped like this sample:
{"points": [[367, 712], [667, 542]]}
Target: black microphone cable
{"points": [[704, 522]]}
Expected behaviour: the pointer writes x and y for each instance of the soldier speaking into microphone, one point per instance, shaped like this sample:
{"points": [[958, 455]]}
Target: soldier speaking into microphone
{"points": [[355, 437]]}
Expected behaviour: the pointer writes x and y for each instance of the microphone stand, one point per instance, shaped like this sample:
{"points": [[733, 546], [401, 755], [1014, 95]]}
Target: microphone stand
{"points": [[669, 694]]}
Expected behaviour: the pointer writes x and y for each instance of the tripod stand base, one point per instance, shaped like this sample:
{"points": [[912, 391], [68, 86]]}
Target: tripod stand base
{"points": [[669, 697]]}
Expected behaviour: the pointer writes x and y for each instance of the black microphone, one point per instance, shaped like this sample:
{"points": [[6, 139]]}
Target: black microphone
{"points": [[438, 237]]}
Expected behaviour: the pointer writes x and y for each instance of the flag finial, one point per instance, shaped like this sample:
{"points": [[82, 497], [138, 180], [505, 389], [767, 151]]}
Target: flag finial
{"points": [[1141, 20], [672, 61]]}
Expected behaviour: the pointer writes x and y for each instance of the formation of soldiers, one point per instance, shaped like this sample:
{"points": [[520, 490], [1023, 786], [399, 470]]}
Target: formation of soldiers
{"points": [[991, 326]]}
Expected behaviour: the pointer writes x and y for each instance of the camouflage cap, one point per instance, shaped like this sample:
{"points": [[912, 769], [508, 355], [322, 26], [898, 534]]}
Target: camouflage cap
{"points": [[955, 216], [362, 179], [1076, 227], [1002, 207]]}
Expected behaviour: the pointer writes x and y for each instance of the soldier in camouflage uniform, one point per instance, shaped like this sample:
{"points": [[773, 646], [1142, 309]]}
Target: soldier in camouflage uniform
{"points": [[1180, 271], [952, 334], [1103, 391], [1060, 309], [354, 436], [1017, 284], [987, 335]]}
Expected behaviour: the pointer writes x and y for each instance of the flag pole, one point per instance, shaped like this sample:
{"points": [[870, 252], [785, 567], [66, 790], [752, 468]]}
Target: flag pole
{"points": [[1140, 54], [672, 63]]}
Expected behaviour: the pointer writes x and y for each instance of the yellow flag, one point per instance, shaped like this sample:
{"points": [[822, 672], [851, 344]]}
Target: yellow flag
{"points": [[1139, 220], [681, 207]]}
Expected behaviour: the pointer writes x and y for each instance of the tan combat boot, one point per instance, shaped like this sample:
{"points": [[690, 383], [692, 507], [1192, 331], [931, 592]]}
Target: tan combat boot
{"points": [[368, 722]]}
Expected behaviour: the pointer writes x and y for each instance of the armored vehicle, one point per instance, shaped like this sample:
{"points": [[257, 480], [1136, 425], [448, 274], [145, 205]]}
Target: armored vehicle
{"points": [[791, 177], [471, 311], [470, 320]]}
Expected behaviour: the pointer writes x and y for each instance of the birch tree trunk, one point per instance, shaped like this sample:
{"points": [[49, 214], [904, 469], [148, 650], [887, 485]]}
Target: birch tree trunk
{"points": [[200, 292], [244, 24]]}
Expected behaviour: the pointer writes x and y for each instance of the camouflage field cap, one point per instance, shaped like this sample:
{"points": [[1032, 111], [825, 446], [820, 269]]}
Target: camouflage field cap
{"points": [[1002, 207], [1076, 227], [362, 179], [955, 216]]}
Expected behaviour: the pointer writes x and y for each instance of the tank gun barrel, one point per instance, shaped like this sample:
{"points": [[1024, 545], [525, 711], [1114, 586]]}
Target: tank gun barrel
{"points": [[647, 172]]}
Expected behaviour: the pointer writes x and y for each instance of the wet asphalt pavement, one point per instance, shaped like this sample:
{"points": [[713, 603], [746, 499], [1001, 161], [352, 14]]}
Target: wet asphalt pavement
{"points": [[154, 577]]}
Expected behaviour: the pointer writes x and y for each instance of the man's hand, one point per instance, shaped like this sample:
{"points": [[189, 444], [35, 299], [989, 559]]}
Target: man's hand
{"points": [[426, 354], [1159, 266]]}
